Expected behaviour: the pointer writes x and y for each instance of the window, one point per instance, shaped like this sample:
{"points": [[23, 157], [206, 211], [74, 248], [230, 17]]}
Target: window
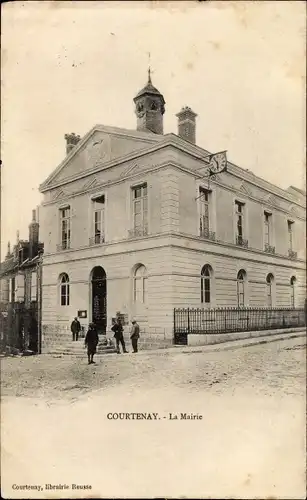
{"points": [[290, 234], [64, 290], [204, 201], [269, 283], [205, 285], [267, 229], [140, 210], [99, 219], [292, 297], [65, 228], [140, 284], [12, 289], [241, 281], [240, 223]]}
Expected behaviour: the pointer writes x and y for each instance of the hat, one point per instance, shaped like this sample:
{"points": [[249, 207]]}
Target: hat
{"points": [[133, 320]]}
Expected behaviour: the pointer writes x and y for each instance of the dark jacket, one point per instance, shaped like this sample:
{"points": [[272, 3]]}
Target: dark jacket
{"points": [[135, 331], [91, 339], [118, 330], [75, 326]]}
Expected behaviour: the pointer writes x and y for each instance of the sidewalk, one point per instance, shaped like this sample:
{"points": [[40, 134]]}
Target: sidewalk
{"points": [[265, 338]]}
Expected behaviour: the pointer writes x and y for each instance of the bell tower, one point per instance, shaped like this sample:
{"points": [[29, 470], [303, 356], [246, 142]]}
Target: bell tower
{"points": [[149, 108]]}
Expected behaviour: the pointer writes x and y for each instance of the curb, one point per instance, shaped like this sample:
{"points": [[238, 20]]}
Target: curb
{"points": [[229, 345]]}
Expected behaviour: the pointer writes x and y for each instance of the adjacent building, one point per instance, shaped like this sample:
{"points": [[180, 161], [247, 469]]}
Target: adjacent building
{"points": [[20, 292], [132, 226]]}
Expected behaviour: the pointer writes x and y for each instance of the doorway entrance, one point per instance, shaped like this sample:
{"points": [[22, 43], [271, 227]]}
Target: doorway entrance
{"points": [[99, 299]]}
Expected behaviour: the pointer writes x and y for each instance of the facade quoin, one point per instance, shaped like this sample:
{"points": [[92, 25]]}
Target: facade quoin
{"points": [[131, 225]]}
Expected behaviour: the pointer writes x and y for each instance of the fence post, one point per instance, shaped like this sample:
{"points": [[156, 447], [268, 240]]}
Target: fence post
{"points": [[188, 320]]}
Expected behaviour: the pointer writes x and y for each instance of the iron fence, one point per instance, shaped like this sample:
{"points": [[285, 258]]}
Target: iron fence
{"points": [[228, 320], [19, 326]]}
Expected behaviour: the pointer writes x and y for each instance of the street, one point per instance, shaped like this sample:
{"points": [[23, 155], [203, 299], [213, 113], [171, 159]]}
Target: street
{"points": [[244, 437]]}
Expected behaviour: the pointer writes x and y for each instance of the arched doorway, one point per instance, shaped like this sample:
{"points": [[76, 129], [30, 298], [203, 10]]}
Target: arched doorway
{"points": [[99, 299]]}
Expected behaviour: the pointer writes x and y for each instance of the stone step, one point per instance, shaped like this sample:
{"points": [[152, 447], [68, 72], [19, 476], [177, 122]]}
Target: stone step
{"points": [[76, 348], [81, 352]]}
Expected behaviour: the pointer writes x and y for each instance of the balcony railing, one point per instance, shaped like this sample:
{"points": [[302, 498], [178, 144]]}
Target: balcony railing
{"points": [[241, 241], [292, 254], [64, 245], [98, 239], [138, 231], [206, 234], [269, 249]]}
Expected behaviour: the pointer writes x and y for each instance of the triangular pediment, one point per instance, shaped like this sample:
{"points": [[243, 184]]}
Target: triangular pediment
{"points": [[272, 200], [244, 189], [91, 184], [97, 150], [58, 194], [130, 169], [294, 210]]}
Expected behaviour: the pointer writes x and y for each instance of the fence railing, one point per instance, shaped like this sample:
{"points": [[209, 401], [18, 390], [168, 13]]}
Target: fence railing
{"points": [[241, 242], [98, 239], [269, 248], [206, 234], [292, 254], [138, 231], [227, 320]]}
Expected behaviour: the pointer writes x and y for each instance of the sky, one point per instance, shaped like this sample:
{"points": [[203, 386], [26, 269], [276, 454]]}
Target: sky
{"points": [[67, 66]]}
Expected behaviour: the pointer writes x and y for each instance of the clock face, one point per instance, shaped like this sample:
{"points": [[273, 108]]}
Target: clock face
{"points": [[218, 162]]}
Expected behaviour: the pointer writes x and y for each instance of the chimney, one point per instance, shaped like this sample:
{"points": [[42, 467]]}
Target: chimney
{"points": [[8, 254], [187, 124], [71, 141], [33, 236]]}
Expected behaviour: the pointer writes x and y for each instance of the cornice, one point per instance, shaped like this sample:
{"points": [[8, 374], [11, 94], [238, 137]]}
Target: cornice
{"points": [[172, 164], [104, 185], [99, 168], [243, 253], [237, 191], [160, 142], [116, 132]]}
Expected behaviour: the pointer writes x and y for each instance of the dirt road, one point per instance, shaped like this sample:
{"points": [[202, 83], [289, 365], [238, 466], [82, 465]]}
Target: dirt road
{"points": [[246, 438]]}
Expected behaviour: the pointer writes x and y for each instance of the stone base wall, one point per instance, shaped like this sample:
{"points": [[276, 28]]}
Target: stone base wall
{"points": [[203, 339], [57, 335], [53, 335]]}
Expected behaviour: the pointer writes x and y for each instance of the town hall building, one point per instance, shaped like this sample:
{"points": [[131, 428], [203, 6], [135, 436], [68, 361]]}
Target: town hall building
{"points": [[131, 225]]}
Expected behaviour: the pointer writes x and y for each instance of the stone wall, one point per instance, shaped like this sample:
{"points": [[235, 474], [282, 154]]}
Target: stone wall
{"points": [[212, 338]]}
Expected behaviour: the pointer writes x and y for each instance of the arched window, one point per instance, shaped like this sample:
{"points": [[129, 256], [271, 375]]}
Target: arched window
{"points": [[241, 284], [140, 284], [292, 284], [269, 283], [64, 289], [205, 284]]}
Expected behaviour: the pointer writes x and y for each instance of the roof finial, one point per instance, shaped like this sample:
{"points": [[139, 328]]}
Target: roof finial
{"points": [[149, 75]]}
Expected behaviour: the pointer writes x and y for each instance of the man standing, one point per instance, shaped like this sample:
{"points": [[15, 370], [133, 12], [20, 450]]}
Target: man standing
{"points": [[91, 340], [135, 335], [117, 328], [75, 329]]}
